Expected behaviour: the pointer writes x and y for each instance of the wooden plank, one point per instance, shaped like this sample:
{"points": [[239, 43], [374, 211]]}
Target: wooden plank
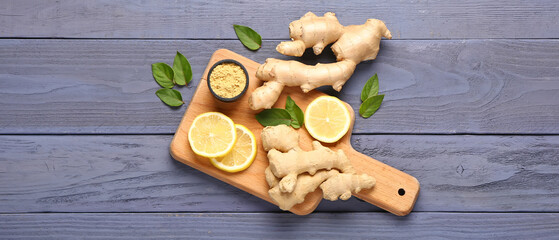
{"points": [[134, 173], [202, 19], [105, 86], [281, 226], [389, 180]]}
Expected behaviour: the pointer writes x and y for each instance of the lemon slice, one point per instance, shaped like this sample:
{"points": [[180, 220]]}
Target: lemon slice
{"points": [[242, 155], [212, 134], [327, 119]]}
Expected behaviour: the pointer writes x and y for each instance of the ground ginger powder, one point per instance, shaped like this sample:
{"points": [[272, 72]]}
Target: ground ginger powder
{"points": [[227, 80]]}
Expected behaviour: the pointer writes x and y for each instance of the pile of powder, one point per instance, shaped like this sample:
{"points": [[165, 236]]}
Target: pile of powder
{"points": [[227, 80]]}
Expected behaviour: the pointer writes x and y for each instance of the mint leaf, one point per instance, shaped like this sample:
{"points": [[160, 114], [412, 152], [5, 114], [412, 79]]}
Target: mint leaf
{"points": [[370, 89], [297, 115], [181, 67], [170, 97], [370, 106], [248, 37], [274, 117], [163, 74]]}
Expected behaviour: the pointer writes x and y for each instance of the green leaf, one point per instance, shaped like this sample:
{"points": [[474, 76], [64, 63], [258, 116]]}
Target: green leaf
{"points": [[370, 106], [181, 67], [248, 37], [163, 74], [274, 117], [370, 89], [170, 97], [297, 115]]}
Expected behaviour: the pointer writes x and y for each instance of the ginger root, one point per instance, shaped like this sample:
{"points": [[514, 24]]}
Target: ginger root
{"points": [[288, 140], [294, 173], [289, 165], [311, 31], [353, 44], [361, 42], [270, 178], [281, 73], [306, 184], [342, 185]]}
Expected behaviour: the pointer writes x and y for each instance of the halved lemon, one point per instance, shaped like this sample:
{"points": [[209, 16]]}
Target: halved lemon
{"points": [[242, 155], [327, 119], [212, 134]]}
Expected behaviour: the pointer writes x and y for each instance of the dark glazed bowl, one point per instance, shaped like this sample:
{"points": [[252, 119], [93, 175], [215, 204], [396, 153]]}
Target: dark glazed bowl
{"points": [[235, 97]]}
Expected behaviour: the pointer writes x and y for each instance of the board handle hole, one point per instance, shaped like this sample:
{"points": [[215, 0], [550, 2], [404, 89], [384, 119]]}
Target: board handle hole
{"points": [[401, 192]]}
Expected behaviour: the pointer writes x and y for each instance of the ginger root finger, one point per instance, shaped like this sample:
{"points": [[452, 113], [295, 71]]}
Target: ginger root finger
{"points": [[288, 183], [305, 184], [281, 137], [311, 31], [270, 178], [341, 186], [361, 42], [292, 48], [265, 96]]}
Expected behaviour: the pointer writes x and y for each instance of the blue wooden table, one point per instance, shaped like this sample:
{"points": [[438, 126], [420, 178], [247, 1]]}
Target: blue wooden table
{"points": [[471, 110]]}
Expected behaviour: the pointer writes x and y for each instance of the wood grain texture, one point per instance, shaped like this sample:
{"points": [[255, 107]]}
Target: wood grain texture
{"points": [[493, 78], [134, 173], [252, 180], [105, 86], [214, 20], [280, 226]]}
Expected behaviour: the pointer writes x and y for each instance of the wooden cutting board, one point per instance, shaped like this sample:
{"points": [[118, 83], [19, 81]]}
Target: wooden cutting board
{"points": [[395, 191]]}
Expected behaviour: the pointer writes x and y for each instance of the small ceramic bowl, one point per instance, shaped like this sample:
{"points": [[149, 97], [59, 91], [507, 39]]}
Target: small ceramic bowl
{"points": [[235, 97]]}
